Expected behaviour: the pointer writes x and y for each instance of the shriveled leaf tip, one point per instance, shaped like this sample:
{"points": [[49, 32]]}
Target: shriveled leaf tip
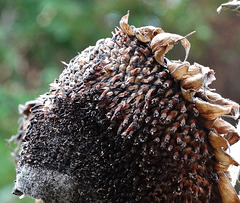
{"points": [[163, 42]]}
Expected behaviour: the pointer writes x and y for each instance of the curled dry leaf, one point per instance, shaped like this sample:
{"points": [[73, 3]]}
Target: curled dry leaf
{"points": [[207, 73], [124, 25], [217, 141], [143, 34], [211, 111], [188, 94], [223, 157], [161, 42], [178, 69], [193, 69], [230, 132], [232, 137], [223, 127], [147, 33], [191, 76], [218, 99], [196, 68], [226, 190], [141, 37], [159, 51], [164, 42], [194, 82]]}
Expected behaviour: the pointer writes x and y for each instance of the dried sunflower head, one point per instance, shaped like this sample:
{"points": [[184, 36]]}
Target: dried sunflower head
{"points": [[123, 123]]}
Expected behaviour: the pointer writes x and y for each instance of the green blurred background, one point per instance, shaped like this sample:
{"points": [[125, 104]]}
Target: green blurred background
{"points": [[35, 36]]}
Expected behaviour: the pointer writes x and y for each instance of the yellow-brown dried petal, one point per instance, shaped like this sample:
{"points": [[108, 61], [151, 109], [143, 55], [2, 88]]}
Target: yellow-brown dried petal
{"points": [[223, 127], [186, 44], [146, 34], [229, 131], [216, 98], [192, 81], [223, 157], [124, 25], [188, 94], [211, 111], [168, 40], [221, 167], [226, 190], [217, 141], [159, 54], [178, 69], [232, 137], [194, 69]]}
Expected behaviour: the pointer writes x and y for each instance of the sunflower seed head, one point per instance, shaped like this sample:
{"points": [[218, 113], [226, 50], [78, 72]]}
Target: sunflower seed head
{"points": [[124, 124]]}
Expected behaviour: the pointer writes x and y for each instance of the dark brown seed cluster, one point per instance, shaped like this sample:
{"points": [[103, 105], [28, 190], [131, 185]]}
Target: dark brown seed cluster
{"points": [[117, 124]]}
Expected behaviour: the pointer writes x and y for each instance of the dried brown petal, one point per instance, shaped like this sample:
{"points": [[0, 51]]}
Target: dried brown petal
{"points": [[192, 81], [229, 131], [218, 99], [221, 167], [164, 42], [124, 25], [194, 69], [224, 158], [160, 51], [147, 33], [223, 127], [188, 94], [211, 111], [232, 137], [178, 69], [208, 74], [227, 191], [217, 141]]}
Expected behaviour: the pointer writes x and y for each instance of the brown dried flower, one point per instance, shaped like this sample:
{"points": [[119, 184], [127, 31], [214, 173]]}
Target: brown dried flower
{"points": [[125, 124]]}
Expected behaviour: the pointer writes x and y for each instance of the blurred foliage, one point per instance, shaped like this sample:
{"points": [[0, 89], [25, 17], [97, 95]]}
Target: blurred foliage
{"points": [[35, 36]]}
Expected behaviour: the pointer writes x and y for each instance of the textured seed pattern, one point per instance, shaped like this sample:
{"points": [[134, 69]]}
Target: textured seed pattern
{"points": [[116, 121]]}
